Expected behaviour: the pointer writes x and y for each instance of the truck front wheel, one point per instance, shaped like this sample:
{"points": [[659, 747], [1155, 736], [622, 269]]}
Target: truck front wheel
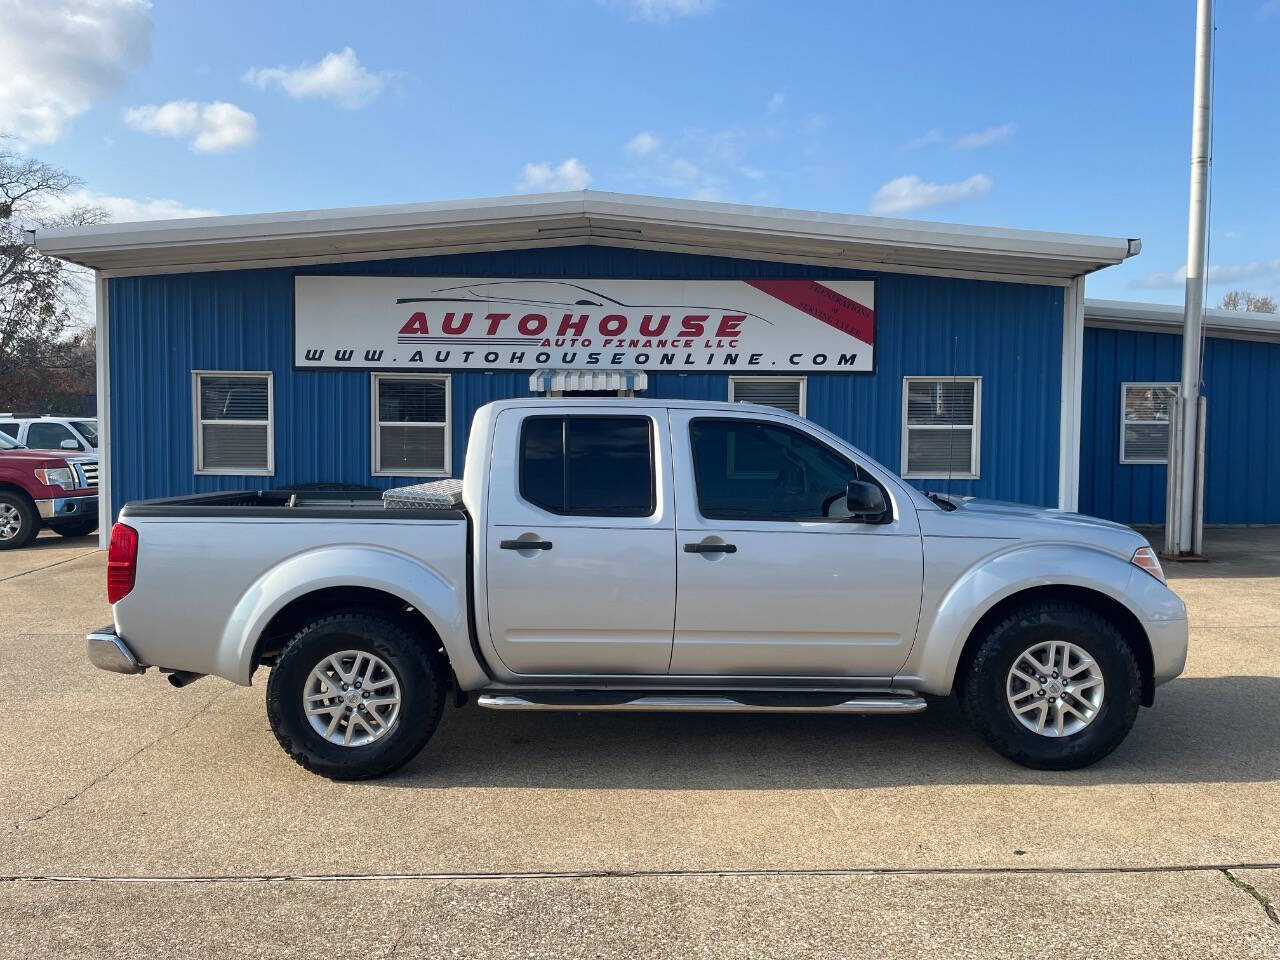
{"points": [[19, 522], [353, 695], [1052, 686]]}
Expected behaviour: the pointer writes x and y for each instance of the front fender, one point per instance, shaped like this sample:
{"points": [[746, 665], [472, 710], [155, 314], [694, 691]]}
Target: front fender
{"points": [[442, 603], [934, 658]]}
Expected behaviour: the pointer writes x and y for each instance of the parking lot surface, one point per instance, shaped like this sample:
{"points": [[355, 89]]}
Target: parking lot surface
{"points": [[150, 821]]}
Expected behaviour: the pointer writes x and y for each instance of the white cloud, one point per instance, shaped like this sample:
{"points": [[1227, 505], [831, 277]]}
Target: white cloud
{"points": [[339, 77], [1268, 8], [58, 57], [983, 138], [568, 175], [663, 11], [207, 127], [933, 136], [643, 144], [128, 209], [908, 193], [775, 102], [1218, 273]]}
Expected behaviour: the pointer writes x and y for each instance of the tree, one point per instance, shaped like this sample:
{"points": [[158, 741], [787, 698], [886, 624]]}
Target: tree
{"points": [[1248, 300], [40, 296]]}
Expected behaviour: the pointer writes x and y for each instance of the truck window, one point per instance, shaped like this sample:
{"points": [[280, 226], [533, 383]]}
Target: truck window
{"points": [[586, 466], [751, 470], [48, 436]]}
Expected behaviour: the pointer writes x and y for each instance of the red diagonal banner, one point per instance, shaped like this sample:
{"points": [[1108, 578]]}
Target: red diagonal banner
{"points": [[832, 308]]}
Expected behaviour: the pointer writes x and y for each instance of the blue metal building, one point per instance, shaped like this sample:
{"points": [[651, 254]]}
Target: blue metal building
{"points": [[1133, 351], [980, 340]]}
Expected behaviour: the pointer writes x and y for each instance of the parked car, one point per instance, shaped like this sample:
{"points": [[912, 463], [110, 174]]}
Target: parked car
{"points": [[45, 488], [647, 555], [52, 433]]}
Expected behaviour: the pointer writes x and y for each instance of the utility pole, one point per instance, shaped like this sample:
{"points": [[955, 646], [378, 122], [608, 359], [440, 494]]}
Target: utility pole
{"points": [[1186, 496]]}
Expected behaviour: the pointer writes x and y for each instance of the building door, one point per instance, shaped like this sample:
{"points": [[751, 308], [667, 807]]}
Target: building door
{"points": [[580, 543], [773, 579]]}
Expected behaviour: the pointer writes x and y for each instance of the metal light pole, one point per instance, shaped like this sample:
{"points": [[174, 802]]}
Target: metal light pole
{"points": [[1185, 493]]}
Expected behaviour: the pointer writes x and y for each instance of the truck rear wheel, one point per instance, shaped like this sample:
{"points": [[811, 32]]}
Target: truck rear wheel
{"points": [[1053, 686], [353, 695], [19, 522]]}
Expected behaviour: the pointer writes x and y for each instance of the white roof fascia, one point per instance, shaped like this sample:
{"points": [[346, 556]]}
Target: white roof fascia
{"points": [[584, 216], [1168, 317]]}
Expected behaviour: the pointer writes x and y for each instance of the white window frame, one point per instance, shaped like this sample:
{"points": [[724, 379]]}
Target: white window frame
{"points": [[804, 389], [198, 424], [376, 439], [975, 438], [1124, 392]]}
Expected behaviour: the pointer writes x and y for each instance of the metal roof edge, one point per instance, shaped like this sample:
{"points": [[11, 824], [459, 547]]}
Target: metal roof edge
{"points": [[1135, 313], [88, 243]]}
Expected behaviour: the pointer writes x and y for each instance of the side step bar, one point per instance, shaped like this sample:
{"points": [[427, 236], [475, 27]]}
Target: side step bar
{"points": [[908, 702]]}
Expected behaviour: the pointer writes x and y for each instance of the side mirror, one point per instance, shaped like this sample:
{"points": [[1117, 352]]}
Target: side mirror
{"points": [[864, 500], [69, 445]]}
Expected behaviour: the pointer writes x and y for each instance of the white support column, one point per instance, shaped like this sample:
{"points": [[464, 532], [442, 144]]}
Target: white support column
{"points": [[1072, 387], [105, 517]]}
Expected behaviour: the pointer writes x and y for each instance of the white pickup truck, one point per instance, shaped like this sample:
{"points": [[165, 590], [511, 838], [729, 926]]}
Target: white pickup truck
{"points": [[646, 555]]}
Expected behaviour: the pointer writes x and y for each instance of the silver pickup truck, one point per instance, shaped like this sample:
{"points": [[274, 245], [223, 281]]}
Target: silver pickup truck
{"points": [[646, 555]]}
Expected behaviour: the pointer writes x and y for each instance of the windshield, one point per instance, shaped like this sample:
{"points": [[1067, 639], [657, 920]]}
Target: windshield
{"points": [[8, 443], [88, 429]]}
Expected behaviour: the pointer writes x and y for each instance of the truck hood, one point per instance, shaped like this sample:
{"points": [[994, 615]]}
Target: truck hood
{"points": [[994, 519], [1022, 511], [35, 458]]}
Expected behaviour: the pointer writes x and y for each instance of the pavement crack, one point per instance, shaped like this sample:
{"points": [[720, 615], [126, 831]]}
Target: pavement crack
{"points": [[1268, 907], [534, 875], [67, 801], [48, 566]]}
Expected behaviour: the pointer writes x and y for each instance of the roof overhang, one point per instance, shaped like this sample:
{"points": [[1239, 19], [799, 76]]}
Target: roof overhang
{"points": [[583, 217], [1167, 318]]}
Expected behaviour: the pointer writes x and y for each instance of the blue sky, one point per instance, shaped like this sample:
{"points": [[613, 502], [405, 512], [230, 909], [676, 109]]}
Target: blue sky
{"points": [[1073, 118]]}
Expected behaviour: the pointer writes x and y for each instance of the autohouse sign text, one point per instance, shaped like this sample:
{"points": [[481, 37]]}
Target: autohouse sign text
{"points": [[493, 324]]}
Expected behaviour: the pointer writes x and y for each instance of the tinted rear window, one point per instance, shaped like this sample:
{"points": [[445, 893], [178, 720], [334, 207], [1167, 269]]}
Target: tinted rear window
{"points": [[588, 466]]}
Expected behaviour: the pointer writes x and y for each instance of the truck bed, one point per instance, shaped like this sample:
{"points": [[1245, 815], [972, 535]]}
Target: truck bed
{"points": [[296, 503]]}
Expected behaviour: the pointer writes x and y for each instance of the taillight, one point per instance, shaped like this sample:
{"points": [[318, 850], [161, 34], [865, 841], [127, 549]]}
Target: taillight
{"points": [[122, 562], [1145, 558]]}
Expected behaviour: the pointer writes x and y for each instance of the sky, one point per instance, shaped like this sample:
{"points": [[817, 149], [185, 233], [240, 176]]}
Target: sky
{"points": [[1066, 117]]}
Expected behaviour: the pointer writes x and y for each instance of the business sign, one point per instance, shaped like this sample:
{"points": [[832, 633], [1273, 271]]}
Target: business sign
{"points": [[437, 323]]}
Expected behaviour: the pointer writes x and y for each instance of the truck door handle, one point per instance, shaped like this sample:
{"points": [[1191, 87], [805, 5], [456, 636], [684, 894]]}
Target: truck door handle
{"points": [[525, 544], [710, 548]]}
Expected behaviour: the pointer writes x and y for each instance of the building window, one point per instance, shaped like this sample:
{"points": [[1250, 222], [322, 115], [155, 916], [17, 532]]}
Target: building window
{"points": [[941, 427], [234, 416], [785, 393], [411, 425], [1145, 411]]}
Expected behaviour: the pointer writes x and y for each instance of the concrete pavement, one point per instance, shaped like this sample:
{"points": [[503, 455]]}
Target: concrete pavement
{"points": [[125, 777]]}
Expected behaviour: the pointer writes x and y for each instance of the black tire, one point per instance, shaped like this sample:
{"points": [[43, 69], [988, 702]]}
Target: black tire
{"points": [[421, 675], [18, 506], [984, 700], [75, 528]]}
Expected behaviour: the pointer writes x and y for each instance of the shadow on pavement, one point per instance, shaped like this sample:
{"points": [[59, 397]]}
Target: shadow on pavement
{"points": [[1202, 730]]}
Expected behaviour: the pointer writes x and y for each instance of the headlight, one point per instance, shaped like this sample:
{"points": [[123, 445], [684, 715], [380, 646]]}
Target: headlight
{"points": [[1145, 558], [63, 477]]}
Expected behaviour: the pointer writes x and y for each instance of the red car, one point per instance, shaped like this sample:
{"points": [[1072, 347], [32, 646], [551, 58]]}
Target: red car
{"points": [[45, 488]]}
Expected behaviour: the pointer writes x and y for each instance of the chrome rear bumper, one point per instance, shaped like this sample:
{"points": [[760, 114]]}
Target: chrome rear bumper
{"points": [[107, 651]]}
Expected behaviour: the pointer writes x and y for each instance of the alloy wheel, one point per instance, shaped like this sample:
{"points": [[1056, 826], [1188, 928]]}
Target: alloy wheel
{"points": [[1055, 688], [352, 698]]}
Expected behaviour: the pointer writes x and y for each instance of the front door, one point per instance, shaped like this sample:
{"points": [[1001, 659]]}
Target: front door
{"points": [[580, 543], [773, 578]]}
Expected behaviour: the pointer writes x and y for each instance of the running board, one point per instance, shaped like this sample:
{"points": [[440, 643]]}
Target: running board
{"points": [[907, 702]]}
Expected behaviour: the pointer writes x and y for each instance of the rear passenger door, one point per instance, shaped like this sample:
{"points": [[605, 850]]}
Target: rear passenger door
{"points": [[580, 542]]}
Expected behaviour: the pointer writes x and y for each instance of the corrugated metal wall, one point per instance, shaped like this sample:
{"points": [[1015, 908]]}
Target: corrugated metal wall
{"points": [[1242, 452], [163, 327]]}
